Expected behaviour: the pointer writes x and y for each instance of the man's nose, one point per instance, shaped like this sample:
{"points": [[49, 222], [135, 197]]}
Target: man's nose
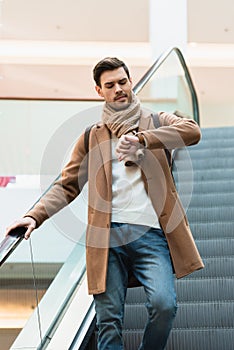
{"points": [[118, 88]]}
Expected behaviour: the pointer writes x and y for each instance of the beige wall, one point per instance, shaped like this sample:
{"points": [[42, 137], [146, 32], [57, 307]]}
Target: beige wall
{"points": [[217, 115], [7, 337]]}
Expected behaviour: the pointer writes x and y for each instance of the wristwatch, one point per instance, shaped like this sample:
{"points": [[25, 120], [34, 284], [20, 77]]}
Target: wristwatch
{"points": [[141, 139]]}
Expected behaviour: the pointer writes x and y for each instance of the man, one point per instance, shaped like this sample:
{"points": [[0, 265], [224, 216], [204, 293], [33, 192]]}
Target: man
{"points": [[137, 231]]}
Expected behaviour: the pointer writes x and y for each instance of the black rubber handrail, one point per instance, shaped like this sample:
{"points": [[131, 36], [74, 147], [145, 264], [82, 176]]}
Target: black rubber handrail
{"points": [[10, 242], [151, 71]]}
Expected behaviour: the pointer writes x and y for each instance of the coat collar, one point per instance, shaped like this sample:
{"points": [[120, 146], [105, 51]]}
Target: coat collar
{"points": [[103, 134]]}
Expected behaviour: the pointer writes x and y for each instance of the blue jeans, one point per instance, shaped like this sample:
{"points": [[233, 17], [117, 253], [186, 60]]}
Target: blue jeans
{"points": [[148, 258]]}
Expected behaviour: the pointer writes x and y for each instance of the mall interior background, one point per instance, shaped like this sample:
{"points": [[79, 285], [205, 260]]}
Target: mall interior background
{"points": [[47, 51]]}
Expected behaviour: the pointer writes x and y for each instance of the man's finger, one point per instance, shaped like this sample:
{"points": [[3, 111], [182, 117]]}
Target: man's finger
{"points": [[12, 227], [28, 233], [131, 138]]}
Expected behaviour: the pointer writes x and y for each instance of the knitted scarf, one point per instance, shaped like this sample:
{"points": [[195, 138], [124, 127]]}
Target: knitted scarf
{"points": [[122, 121]]}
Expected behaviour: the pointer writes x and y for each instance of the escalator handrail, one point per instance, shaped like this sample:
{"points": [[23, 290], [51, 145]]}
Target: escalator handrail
{"points": [[151, 71]]}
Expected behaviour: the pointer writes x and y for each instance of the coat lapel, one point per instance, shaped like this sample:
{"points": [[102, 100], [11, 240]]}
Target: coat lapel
{"points": [[104, 145], [145, 120]]}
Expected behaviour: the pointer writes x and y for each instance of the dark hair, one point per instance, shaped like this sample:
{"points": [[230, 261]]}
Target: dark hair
{"points": [[108, 63]]}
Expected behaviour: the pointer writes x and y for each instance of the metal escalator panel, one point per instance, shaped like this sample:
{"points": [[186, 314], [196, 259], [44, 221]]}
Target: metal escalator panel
{"points": [[75, 324]]}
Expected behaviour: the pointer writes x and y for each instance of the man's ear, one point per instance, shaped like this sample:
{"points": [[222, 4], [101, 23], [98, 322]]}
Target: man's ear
{"points": [[99, 90]]}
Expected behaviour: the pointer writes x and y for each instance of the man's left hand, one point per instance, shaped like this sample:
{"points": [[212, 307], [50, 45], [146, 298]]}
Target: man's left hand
{"points": [[127, 146]]}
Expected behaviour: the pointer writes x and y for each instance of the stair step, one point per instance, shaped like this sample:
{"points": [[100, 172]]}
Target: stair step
{"points": [[208, 314], [212, 229], [207, 187], [213, 143], [206, 163], [220, 267], [205, 289], [201, 339], [205, 175], [201, 153], [189, 315], [135, 316], [220, 247], [187, 339], [132, 339], [217, 133], [208, 199], [192, 289], [214, 214]]}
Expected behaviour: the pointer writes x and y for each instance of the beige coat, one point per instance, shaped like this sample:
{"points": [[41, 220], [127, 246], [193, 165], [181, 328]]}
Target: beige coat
{"points": [[174, 132]]}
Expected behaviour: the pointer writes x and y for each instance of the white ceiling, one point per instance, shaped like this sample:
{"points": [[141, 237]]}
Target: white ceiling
{"points": [[211, 21], [92, 29], [76, 20]]}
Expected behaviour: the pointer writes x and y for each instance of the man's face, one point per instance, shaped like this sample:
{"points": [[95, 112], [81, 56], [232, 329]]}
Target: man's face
{"points": [[116, 87]]}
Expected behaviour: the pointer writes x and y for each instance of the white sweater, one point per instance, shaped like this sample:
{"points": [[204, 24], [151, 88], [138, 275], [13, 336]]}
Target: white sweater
{"points": [[130, 202]]}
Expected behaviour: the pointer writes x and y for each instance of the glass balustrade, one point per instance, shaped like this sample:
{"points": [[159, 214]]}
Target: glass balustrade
{"points": [[167, 86]]}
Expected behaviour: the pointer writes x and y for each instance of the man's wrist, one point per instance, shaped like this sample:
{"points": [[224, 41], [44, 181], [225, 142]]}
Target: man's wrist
{"points": [[141, 140], [34, 221]]}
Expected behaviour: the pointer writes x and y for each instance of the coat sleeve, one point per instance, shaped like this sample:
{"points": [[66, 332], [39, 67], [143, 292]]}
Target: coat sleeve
{"points": [[66, 188], [175, 132]]}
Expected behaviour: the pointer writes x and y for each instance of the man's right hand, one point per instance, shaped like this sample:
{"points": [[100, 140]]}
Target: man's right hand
{"points": [[27, 222]]}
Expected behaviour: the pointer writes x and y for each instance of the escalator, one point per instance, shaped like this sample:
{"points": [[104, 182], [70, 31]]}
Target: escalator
{"points": [[204, 319], [65, 317]]}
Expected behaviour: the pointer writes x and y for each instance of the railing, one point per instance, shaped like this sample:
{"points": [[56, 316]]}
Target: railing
{"points": [[179, 94], [153, 73]]}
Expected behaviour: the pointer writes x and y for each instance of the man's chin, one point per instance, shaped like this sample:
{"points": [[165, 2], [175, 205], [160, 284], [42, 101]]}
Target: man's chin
{"points": [[119, 105]]}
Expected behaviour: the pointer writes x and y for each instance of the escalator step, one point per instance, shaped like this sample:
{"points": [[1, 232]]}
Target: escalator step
{"points": [[199, 153], [205, 289], [220, 267], [135, 295], [205, 315], [206, 163], [208, 187], [189, 315], [207, 215], [217, 133], [205, 175], [132, 339], [208, 199], [192, 290], [210, 144], [201, 339], [212, 229], [184, 339], [216, 247]]}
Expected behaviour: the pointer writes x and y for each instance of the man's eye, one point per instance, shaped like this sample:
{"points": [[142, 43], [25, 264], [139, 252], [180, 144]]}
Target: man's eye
{"points": [[109, 86], [122, 82]]}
